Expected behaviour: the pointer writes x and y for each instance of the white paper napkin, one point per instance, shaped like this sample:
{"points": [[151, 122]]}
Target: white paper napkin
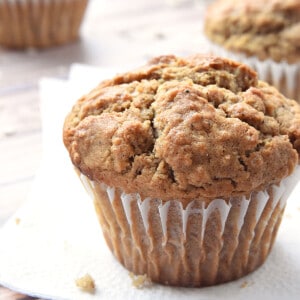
{"points": [[55, 238]]}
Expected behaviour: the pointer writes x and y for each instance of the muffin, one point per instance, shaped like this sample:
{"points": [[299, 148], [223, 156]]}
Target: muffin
{"points": [[40, 24], [263, 34], [189, 162]]}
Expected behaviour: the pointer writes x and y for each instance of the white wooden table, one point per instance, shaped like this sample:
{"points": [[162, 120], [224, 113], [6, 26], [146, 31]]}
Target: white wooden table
{"points": [[115, 33]]}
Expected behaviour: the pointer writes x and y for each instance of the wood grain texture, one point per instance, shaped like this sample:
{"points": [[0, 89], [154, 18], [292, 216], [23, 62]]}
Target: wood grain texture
{"points": [[115, 34]]}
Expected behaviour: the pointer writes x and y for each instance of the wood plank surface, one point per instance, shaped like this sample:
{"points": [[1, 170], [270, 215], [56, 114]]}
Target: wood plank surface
{"points": [[114, 34]]}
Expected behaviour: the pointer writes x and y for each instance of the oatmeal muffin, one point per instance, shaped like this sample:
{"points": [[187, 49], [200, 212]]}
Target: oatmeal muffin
{"points": [[267, 32], [190, 162], [40, 24]]}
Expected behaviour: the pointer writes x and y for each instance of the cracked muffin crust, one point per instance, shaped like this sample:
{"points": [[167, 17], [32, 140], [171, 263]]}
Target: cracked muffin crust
{"points": [[266, 29], [185, 128]]}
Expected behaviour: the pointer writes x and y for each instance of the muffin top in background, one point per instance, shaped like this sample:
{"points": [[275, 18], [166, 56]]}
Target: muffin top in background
{"points": [[266, 29], [184, 128]]}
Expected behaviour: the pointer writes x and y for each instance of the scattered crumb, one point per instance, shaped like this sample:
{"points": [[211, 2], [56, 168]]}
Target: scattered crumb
{"points": [[140, 281], [17, 220], [86, 283], [245, 284]]}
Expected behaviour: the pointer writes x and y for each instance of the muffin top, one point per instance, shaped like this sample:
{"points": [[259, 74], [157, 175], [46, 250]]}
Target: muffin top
{"points": [[185, 128], [266, 29]]}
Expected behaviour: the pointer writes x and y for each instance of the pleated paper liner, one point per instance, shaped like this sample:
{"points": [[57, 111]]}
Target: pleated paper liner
{"points": [[40, 24], [199, 245]]}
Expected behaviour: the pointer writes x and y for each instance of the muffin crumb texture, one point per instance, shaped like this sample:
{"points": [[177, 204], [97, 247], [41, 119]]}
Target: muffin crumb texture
{"points": [[266, 29], [86, 283], [140, 281], [185, 128], [245, 284]]}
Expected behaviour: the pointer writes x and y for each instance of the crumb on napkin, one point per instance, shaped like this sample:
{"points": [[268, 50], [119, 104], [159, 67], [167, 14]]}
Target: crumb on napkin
{"points": [[86, 283], [17, 220], [140, 281], [244, 284]]}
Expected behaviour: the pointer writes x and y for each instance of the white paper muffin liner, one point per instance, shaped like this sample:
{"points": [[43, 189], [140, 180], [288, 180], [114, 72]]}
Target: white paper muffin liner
{"points": [[198, 245], [40, 23], [284, 76]]}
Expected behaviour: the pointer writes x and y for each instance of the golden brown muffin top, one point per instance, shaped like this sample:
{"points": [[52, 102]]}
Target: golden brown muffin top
{"points": [[266, 29], [183, 129]]}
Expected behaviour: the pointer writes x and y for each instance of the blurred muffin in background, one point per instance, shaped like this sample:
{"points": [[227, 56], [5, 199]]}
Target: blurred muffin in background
{"points": [[262, 34], [40, 24]]}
